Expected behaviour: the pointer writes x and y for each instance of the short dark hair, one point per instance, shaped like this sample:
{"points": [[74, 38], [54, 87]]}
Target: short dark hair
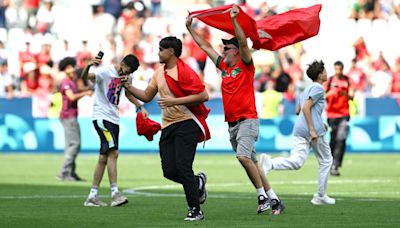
{"points": [[66, 62], [131, 61], [314, 69], [172, 42], [338, 63]]}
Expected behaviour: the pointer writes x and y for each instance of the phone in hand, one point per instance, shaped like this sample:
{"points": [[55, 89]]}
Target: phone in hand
{"points": [[99, 55]]}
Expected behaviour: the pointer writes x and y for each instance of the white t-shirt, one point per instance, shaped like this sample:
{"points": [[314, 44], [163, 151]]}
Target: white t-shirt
{"points": [[107, 93]]}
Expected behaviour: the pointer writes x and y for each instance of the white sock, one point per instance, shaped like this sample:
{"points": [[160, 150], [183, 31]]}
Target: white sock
{"points": [[93, 191], [271, 194], [114, 189], [261, 191], [200, 183]]}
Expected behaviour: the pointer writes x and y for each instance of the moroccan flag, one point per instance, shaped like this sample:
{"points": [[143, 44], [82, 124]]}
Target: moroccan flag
{"points": [[269, 33], [189, 83]]}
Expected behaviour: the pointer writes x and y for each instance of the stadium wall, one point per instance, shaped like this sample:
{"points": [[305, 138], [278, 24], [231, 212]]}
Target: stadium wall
{"points": [[21, 133]]}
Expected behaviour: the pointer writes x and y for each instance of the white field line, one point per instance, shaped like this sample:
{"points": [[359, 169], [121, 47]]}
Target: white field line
{"points": [[140, 191]]}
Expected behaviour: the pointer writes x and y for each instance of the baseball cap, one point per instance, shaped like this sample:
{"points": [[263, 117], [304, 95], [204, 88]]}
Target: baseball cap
{"points": [[233, 41]]}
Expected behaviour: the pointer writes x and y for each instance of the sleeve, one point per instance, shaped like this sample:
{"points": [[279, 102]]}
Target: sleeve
{"points": [[99, 72], [153, 80], [64, 86], [220, 63], [316, 93]]}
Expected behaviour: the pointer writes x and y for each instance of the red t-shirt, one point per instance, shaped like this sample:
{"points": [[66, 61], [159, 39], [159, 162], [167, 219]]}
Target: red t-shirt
{"points": [[337, 104], [238, 90]]}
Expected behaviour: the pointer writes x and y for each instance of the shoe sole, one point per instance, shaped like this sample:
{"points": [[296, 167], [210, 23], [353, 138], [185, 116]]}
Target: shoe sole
{"points": [[203, 198], [263, 210], [321, 203], [93, 205], [119, 204]]}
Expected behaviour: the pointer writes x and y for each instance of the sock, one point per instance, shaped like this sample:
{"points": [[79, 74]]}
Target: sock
{"points": [[93, 191], [114, 189], [200, 183], [271, 194], [261, 191]]}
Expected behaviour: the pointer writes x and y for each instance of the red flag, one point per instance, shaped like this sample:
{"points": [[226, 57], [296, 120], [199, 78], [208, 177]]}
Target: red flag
{"points": [[189, 83], [269, 33], [146, 126]]}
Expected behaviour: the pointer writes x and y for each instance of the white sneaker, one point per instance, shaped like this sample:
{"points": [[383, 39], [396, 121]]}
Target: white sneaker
{"points": [[94, 202], [118, 199], [265, 163], [318, 200]]}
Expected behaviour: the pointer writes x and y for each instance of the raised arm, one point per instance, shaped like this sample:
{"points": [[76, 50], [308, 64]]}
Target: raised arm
{"points": [[201, 42], [244, 50], [85, 73]]}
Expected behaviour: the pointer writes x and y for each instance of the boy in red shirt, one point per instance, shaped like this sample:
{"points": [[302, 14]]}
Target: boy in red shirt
{"points": [[238, 98]]}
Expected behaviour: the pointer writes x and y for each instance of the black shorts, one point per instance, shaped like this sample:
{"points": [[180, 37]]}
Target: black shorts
{"points": [[108, 133]]}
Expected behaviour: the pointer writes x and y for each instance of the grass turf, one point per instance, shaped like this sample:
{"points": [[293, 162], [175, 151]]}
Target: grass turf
{"points": [[367, 194]]}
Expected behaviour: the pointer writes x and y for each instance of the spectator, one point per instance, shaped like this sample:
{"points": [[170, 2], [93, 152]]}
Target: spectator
{"points": [[381, 81], [357, 75], [3, 19], [6, 83], [271, 101], [396, 79], [31, 6], [339, 91], [113, 7]]}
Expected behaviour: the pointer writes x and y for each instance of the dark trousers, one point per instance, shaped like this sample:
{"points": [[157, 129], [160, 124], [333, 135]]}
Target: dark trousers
{"points": [[178, 144], [339, 131]]}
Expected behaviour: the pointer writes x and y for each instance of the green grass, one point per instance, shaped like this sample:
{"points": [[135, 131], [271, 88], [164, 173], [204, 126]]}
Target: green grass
{"points": [[367, 193]]}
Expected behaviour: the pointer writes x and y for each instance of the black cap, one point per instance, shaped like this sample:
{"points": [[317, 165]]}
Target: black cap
{"points": [[233, 41]]}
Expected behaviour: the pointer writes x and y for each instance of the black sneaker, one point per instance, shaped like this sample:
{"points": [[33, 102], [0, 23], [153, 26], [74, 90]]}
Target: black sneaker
{"points": [[194, 214], [277, 207], [75, 177], [263, 204], [203, 191]]}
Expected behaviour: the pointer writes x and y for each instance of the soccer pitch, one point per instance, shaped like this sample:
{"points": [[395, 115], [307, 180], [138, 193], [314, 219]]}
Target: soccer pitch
{"points": [[367, 194]]}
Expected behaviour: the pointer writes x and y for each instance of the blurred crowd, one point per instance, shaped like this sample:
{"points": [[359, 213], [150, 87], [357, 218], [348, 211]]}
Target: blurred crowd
{"points": [[36, 34]]}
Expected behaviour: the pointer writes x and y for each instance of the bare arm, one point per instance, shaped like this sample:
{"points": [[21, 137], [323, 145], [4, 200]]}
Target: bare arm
{"points": [[243, 48], [307, 114], [144, 95], [190, 100], [85, 73], [76, 96], [201, 42], [135, 101]]}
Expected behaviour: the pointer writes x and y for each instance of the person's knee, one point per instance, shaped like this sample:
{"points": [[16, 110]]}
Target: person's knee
{"points": [[103, 160], [298, 163], [243, 159]]}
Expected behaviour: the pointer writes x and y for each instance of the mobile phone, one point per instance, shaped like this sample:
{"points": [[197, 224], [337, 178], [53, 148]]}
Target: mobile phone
{"points": [[100, 54]]}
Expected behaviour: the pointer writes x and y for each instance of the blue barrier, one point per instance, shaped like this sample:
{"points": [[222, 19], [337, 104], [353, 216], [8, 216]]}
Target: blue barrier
{"points": [[19, 132], [26, 134]]}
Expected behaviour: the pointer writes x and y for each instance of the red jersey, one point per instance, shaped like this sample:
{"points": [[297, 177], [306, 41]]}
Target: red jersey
{"points": [[337, 104], [237, 90]]}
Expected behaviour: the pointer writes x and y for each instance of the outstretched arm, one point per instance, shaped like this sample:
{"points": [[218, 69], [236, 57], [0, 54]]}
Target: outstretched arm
{"points": [[144, 95], [201, 42], [243, 48]]}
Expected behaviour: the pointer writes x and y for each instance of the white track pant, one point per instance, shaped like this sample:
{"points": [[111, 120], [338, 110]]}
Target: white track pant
{"points": [[298, 155]]}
